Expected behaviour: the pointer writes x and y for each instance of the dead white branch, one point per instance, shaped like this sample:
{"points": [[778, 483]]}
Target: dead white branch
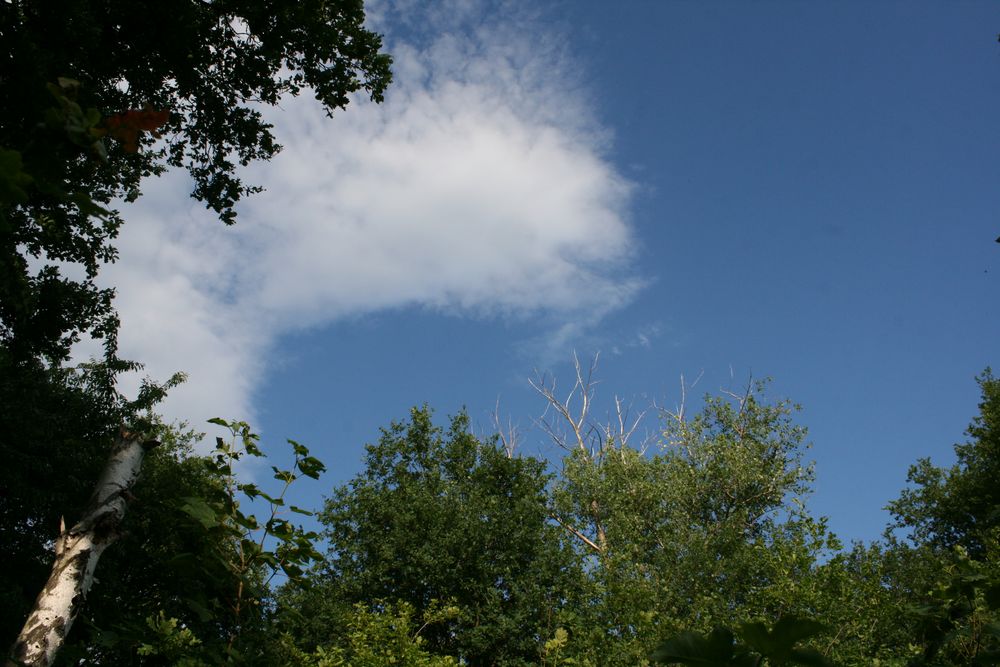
{"points": [[676, 419], [569, 424], [566, 411], [576, 533], [568, 421], [508, 433], [742, 400], [620, 430], [77, 551]]}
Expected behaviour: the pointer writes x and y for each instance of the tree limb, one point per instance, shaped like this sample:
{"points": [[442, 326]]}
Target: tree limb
{"points": [[76, 554], [576, 533]]}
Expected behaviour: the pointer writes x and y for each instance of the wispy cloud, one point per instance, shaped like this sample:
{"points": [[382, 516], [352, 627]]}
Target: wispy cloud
{"points": [[479, 188]]}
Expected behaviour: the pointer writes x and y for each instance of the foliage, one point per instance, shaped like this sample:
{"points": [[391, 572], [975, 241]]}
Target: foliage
{"points": [[42, 313], [245, 551], [50, 429], [960, 505], [865, 591], [926, 594], [374, 638], [707, 531], [56, 426], [958, 619], [440, 515], [950, 518], [116, 620], [89, 89], [760, 646], [89, 85], [200, 559], [198, 74], [172, 642], [898, 605], [554, 650], [706, 541], [211, 65]]}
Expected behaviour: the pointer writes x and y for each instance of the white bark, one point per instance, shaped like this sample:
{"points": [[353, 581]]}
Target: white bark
{"points": [[77, 552], [592, 439]]}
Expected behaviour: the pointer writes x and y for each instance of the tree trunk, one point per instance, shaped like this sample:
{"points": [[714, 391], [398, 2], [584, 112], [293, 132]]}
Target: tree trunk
{"points": [[77, 552]]}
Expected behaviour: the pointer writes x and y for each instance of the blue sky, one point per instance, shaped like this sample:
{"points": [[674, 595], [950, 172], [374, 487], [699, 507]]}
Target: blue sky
{"points": [[807, 191]]}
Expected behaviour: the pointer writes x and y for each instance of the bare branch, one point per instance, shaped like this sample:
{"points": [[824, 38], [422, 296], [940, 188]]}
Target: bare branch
{"points": [[742, 400], [683, 405], [570, 424], [576, 533], [626, 429], [679, 414], [577, 419], [508, 433]]}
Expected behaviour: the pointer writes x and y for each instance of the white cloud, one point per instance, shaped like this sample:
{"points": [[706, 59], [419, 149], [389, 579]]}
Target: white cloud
{"points": [[479, 188]]}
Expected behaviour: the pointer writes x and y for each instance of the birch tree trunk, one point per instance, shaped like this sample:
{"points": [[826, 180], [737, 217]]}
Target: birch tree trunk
{"points": [[77, 552]]}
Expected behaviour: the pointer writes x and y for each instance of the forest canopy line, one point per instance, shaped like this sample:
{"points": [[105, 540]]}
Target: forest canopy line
{"points": [[696, 546], [450, 549]]}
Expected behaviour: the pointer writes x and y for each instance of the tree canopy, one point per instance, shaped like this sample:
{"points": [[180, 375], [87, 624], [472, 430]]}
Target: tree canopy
{"points": [[696, 547], [959, 506], [448, 549], [440, 517], [95, 84], [94, 98]]}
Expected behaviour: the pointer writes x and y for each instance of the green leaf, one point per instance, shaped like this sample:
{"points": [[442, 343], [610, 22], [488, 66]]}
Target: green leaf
{"points": [[281, 529], [250, 490], [311, 467], [247, 521], [299, 450], [690, 648], [278, 502], [758, 637], [250, 548], [292, 571], [219, 421], [250, 445], [201, 511], [777, 643]]}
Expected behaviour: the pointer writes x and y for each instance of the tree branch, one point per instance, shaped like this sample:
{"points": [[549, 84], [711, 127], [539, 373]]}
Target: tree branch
{"points": [[76, 554], [576, 533]]}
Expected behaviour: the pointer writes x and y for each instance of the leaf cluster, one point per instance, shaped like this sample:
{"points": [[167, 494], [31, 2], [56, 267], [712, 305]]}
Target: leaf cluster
{"points": [[441, 515], [760, 645], [91, 87], [268, 546]]}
